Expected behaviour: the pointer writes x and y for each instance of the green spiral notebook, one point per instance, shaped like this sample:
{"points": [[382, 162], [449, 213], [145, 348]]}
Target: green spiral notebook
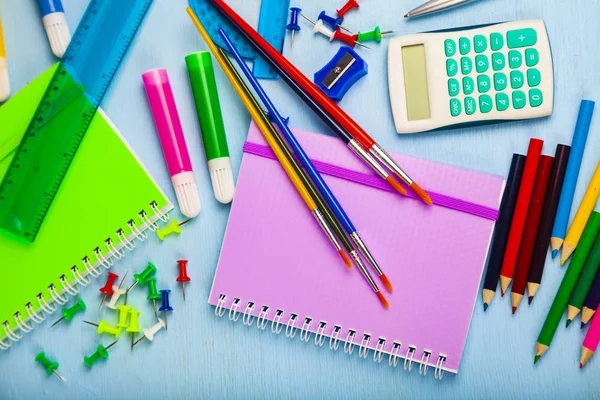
{"points": [[106, 203]]}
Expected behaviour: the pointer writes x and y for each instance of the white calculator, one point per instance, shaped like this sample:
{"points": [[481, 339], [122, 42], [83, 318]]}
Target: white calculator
{"points": [[470, 76]]}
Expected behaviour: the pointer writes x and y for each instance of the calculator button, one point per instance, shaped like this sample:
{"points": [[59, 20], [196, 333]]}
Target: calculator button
{"points": [[451, 67], [516, 79], [482, 63], [533, 77], [466, 65], [518, 99], [450, 46], [465, 45], [468, 85], [532, 57], [496, 41], [500, 81], [455, 107], [535, 97], [498, 61], [480, 43], [521, 38], [453, 87], [502, 101], [515, 59], [485, 103], [483, 83], [470, 105]]}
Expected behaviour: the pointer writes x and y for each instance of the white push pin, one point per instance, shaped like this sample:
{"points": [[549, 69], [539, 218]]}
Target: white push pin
{"points": [[149, 333], [117, 292]]}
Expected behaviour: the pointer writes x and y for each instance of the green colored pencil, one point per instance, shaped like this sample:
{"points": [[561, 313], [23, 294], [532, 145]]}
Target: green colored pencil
{"points": [[567, 285], [585, 282]]}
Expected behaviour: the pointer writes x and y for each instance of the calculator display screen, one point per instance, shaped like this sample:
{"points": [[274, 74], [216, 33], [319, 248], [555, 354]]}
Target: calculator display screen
{"points": [[415, 82]]}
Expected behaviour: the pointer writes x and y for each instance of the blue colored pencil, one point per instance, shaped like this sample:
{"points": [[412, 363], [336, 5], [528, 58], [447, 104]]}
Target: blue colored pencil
{"points": [[582, 128], [307, 164]]}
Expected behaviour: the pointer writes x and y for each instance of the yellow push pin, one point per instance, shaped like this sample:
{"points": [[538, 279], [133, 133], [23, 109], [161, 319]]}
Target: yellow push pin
{"points": [[174, 227]]}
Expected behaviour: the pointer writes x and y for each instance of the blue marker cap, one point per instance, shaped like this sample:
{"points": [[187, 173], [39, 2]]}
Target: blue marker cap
{"points": [[50, 6]]}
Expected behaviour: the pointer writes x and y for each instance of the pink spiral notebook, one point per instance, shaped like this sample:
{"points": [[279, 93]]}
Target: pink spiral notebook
{"points": [[277, 268]]}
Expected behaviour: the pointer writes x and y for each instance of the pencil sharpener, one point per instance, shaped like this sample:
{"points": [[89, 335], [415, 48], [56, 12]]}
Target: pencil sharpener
{"points": [[339, 74]]}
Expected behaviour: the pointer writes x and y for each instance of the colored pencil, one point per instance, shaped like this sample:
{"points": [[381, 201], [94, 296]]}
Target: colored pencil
{"points": [[584, 119], [542, 241], [518, 223], [586, 278], [530, 231], [507, 208], [591, 301], [566, 286], [583, 213], [590, 343], [340, 122]]}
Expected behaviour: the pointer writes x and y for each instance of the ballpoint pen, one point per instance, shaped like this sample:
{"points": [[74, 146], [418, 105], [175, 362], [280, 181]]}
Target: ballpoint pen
{"points": [[434, 6]]}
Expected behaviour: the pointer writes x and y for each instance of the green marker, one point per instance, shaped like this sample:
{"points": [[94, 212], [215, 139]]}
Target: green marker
{"points": [[206, 97], [585, 282], [567, 285]]}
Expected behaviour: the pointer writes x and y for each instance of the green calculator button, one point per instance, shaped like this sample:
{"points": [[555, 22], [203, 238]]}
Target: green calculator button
{"points": [[482, 63], [483, 83], [465, 45], [532, 57], [521, 38], [480, 43], [470, 105], [451, 67], [453, 87], [502, 101], [496, 41], [450, 47], [455, 107], [533, 77], [485, 103], [468, 85], [466, 65], [535, 97], [518, 99], [500, 81], [498, 61], [516, 79], [515, 59]]}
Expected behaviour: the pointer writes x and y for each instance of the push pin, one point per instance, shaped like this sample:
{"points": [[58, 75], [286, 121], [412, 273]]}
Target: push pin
{"points": [[51, 367], [123, 313], [152, 293], [183, 277], [117, 292], [347, 7], [107, 290], [293, 25], [104, 327], [322, 29], [334, 23], [375, 35], [133, 327], [69, 313], [142, 277], [149, 333], [174, 227], [165, 306], [101, 352]]}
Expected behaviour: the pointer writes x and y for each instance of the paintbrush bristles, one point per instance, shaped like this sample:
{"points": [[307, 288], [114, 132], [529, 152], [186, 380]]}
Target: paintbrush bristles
{"points": [[394, 183], [386, 282], [382, 300], [346, 259], [421, 193]]}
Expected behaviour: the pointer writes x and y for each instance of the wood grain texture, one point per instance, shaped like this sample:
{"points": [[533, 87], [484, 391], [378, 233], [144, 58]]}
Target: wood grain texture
{"points": [[202, 356]]}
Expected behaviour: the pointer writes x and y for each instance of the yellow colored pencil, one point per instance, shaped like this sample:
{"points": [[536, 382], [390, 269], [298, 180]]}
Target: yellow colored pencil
{"points": [[583, 214], [4, 82]]}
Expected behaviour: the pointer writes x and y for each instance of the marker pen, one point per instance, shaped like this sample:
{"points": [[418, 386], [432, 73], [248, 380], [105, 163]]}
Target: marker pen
{"points": [[55, 24], [4, 82]]}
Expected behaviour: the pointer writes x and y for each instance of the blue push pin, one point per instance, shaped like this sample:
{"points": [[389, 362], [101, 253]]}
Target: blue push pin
{"points": [[333, 23], [165, 305], [293, 25]]}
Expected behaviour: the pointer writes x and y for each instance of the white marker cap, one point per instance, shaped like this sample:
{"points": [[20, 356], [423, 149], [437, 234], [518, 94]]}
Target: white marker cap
{"points": [[186, 191], [4, 82], [221, 176], [58, 32]]}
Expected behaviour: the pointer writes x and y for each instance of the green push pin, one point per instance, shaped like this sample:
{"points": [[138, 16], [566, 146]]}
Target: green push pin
{"points": [[123, 313], [153, 293], [51, 367], [142, 277], [69, 313], [101, 353], [133, 327], [174, 227], [104, 327], [375, 35]]}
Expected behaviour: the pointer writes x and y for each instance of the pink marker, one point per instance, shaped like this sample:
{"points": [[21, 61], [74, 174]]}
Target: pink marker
{"points": [[590, 343], [166, 119]]}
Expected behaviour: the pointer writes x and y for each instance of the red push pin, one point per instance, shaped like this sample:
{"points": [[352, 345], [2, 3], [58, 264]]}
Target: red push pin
{"points": [[347, 7], [350, 40], [183, 277], [108, 287]]}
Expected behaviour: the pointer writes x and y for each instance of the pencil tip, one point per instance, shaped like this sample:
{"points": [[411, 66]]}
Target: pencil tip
{"points": [[406, 15], [396, 185], [383, 301], [582, 325], [569, 322], [386, 282], [514, 310], [536, 359], [501, 293], [346, 259], [421, 193], [554, 253], [580, 365], [485, 307], [530, 299]]}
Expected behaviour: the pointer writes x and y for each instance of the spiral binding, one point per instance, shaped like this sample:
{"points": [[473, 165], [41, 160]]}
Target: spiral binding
{"points": [[47, 305], [295, 323]]}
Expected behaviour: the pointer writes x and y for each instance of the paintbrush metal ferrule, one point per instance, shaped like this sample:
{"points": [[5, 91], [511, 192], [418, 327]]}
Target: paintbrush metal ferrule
{"points": [[389, 162], [363, 270], [366, 157], [366, 253], [326, 228]]}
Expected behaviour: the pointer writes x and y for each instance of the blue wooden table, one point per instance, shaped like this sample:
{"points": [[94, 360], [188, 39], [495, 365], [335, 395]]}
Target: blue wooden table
{"points": [[202, 356]]}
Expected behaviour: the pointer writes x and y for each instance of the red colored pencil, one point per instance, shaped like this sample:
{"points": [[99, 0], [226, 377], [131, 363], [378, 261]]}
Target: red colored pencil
{"points": [[518, 223], [531, 228]]}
